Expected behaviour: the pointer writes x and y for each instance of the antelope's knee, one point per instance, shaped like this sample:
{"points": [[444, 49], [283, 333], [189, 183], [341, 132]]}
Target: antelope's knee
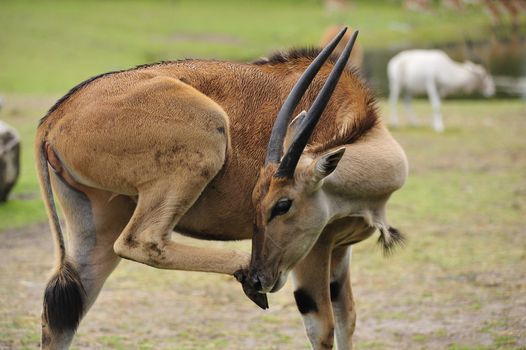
{"points": [[146, 252], [125, 247]]}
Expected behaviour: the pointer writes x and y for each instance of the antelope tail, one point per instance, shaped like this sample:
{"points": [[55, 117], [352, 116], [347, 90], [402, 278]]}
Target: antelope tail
{"points": [[64, 295], [390, 238]]}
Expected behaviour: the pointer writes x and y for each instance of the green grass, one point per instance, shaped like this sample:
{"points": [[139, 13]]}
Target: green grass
{"points": [[462, 347], [50, 45], [468, 179], [462, 209]]}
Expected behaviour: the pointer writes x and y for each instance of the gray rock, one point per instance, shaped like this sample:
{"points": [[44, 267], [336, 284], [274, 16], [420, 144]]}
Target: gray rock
{"points": [[9, 159]]}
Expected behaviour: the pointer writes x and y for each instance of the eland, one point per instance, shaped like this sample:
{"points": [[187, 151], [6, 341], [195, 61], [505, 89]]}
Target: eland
{"points": [[208, 148]]}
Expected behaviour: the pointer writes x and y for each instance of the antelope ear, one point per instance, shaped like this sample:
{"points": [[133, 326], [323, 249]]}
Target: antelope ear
{"points": [[327, 163], [293, 128]]}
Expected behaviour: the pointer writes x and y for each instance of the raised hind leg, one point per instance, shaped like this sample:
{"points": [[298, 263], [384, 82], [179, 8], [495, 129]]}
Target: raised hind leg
{"points": [[93, 220], [147, 237]]}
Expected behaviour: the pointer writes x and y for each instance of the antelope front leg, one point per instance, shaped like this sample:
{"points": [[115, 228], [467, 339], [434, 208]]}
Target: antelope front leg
{"points": [[311, 281], [342, 298]]}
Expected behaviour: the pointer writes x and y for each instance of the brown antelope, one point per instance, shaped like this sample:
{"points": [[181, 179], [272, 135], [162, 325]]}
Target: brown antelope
{"points": [[131, 155]]}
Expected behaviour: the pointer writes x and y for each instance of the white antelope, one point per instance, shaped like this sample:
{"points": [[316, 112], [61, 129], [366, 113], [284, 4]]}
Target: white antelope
{"points": [[434, 73], [131, 155]]}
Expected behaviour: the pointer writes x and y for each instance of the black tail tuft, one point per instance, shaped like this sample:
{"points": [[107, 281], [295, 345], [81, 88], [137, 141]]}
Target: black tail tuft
{"points": [[390, 240], [64, 299]]}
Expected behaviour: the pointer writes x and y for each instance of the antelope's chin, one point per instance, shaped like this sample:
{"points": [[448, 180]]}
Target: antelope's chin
{"points": [[280, 282]]}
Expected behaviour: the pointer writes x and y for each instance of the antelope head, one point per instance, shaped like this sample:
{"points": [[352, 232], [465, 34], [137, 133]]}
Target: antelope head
{"points": [[289, 200], [484, 82]]}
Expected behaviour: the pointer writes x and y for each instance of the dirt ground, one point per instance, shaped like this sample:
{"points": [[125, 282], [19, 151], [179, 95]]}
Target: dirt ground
{"points": [[144, 308], [460, 284]]}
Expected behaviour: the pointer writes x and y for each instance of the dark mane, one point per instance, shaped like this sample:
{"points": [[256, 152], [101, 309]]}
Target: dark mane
{"points": [[294, 54]]}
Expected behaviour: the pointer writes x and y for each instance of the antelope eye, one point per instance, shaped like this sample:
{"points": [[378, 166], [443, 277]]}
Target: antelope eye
{"points": [[281, 207]]}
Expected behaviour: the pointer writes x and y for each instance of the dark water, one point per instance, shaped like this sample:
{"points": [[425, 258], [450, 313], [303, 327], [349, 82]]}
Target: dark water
{"points": [[505, 57]]}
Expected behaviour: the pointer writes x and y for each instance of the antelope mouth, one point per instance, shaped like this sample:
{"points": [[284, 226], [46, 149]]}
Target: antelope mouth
{"points": [[264, 285], [280, 282]]}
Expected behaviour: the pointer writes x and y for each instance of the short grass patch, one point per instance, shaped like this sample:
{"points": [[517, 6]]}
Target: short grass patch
{"points": [[49, 46]]}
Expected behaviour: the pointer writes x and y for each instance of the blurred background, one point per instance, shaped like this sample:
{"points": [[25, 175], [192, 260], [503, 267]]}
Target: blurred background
{"points": [[459, 284]]}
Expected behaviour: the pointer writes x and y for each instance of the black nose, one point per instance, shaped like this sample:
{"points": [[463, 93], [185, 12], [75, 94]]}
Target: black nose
{"points": [[256, 283]]}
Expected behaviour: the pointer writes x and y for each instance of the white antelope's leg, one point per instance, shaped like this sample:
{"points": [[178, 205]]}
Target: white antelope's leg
{"points": [[147, 237], [434, 98], [408, 99], [394, 92], [311, 281], [342, 298], [93, 223]]}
